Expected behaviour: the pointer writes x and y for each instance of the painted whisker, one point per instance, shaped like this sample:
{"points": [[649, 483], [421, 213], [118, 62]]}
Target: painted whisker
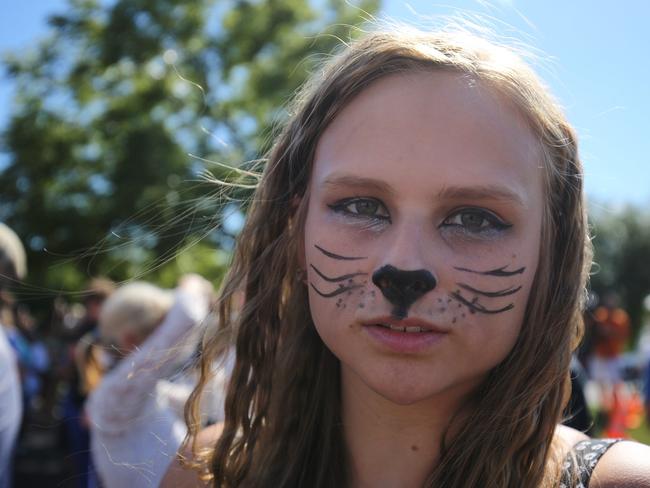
{"points": [[490, 294], [335, 292], [477, 307], [337, 278], [337, 256], [494, 272]]}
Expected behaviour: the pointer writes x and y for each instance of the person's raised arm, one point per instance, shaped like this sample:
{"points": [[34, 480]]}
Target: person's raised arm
{"points": [[121, 395]]}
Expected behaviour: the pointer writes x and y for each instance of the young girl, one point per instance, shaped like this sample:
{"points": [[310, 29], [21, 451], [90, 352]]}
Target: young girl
{"points": [[413, 265]]}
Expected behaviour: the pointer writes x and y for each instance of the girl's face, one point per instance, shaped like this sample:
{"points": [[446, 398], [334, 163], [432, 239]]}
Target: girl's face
{"points": [[422, 234]]}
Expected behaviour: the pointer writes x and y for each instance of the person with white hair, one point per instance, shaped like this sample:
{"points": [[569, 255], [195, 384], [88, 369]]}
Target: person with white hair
{"points": [[136, 412], [13, 267]]}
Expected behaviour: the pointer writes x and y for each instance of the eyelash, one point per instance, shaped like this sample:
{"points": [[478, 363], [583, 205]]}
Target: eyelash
{"points": [[342, 208], [494, 223]]}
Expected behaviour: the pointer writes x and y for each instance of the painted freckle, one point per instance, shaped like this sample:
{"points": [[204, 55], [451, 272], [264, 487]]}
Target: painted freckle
{"points": [[463, 315], [453, 321], [415, 448], [362, 305]]}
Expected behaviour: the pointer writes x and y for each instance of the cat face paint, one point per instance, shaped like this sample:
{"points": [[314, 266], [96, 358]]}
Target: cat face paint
{"points": [[474, 305], [422, 235], [346, 283]]}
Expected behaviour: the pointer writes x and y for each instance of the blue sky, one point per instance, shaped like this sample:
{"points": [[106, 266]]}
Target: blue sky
{"points": [[592, 54]]}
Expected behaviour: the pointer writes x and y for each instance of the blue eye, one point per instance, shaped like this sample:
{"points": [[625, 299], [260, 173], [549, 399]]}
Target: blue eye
{"points": [[475, 221], [370, 208]]}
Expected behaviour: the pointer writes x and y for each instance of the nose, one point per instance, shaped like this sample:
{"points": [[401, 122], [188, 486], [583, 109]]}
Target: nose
{"points": [[403, 288]]}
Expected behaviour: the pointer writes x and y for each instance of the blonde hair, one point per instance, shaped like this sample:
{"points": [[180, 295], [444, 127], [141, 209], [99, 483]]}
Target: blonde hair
{"points": [[13, 262], [282, 425], [137, 308]]}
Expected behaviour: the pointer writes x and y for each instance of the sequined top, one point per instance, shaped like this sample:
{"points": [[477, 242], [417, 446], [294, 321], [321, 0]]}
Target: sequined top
{"points": [[584, 456]]}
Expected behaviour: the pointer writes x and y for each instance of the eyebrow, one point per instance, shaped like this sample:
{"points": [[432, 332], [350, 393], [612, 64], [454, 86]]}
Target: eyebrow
{"points": [[478, 192], [481, 192], [351, 181]]}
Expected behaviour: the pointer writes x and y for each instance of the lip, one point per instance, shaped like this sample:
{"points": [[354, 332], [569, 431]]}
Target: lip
{"points": [[404, 342]]}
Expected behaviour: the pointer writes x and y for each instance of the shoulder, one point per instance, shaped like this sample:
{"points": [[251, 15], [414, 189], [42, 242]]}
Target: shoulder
{"points": [[566, 438], [625, 464]]}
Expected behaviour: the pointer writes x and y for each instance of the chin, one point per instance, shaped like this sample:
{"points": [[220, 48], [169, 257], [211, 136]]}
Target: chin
{"points": [[410, 388], [405, 393]]}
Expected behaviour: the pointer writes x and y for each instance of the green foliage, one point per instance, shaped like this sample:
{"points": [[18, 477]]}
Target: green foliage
{"points": [[622, 255], [110, 106]]}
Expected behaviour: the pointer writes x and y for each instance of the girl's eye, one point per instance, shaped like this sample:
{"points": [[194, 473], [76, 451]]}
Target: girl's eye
{"points": [[362, 207], [475, 220]]}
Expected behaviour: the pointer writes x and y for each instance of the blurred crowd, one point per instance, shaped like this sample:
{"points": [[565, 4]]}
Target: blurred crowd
{"points": [[93, 396]]}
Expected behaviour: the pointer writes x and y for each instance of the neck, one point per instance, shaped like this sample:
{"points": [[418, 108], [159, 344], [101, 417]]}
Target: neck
{"points": [[391, 444]]}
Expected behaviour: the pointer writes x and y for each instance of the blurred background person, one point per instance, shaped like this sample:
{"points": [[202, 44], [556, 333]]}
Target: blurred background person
{"points": [[13, 267], [610, 331], [136, 411], [83, 372]]}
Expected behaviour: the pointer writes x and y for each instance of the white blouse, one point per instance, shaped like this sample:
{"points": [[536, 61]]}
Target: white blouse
{"points": [[136, 413], [11, 408]]}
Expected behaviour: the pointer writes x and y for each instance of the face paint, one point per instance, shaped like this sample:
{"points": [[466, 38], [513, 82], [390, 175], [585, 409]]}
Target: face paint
{"points": [[367, 210], [337, 256], [490, 294], [403, 288], [494, 272], [473, 304], [342, 288], [336, 278]]}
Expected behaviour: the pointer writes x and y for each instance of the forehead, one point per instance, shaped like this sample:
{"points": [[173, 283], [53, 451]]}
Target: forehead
{"points": [[428, 131]]}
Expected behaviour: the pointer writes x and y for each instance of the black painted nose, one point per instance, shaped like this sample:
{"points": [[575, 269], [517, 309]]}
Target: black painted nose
{"points": [[402, 288]]}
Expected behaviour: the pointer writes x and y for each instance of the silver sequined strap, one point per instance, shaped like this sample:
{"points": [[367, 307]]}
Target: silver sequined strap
{"points": [[587, 453]]}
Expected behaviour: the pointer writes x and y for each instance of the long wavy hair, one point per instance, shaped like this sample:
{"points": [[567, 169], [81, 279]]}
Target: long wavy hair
{"points": [[282, 411]]}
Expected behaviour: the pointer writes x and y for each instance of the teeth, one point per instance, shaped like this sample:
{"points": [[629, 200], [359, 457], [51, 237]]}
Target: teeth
{"points": [[402, 329]]}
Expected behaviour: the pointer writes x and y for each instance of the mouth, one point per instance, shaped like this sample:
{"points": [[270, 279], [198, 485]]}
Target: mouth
{"points": [[405, 336], [409, 325]]}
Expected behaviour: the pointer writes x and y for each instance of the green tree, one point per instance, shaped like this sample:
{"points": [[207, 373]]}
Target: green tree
{"points": [[109, 108], [622, 255]]}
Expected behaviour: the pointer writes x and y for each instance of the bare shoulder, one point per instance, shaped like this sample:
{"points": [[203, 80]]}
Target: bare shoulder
{"points": [[179, 476], [566, 438], [625, 464]]}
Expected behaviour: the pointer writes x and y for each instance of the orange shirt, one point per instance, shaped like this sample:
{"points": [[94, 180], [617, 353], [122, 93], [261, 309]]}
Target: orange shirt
{"points": [[612, 330]]}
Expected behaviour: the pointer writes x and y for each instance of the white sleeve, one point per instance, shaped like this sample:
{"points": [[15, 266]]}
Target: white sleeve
{"points": [[10, 407], [122, 394]]}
